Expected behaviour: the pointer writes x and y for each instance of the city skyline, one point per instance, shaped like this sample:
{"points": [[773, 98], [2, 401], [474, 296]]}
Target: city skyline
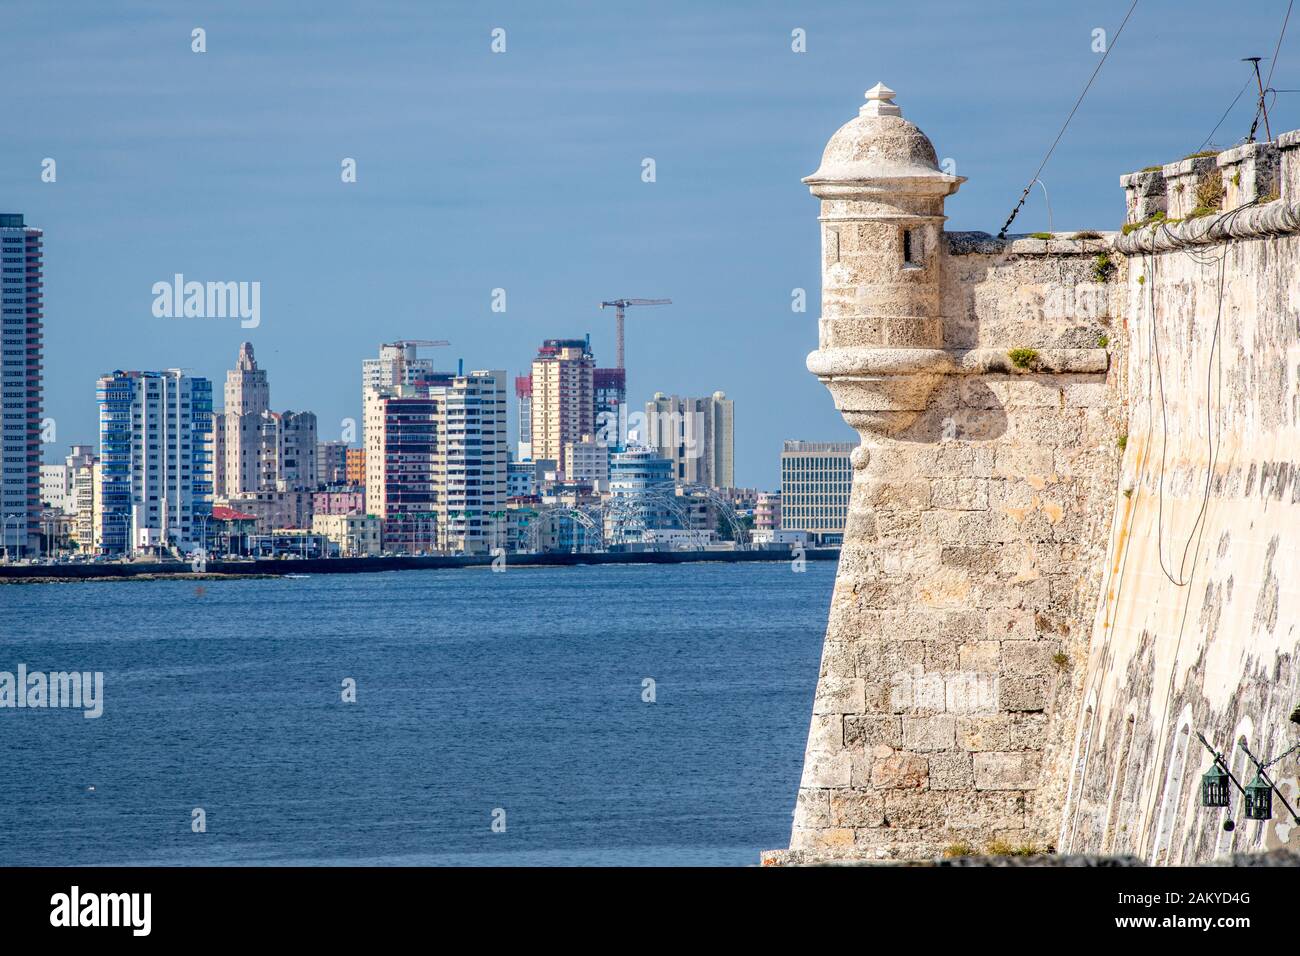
{"points": [[523, 170]]}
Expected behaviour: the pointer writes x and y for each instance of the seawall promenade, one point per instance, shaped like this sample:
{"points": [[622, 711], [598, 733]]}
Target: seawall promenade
{"points": [[265, 567]]}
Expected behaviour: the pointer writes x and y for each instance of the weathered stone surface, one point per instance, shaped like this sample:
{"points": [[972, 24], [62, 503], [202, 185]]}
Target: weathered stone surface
{"points": [[856, 808], [899, 771], [869, 730], [840, 695], [951, 771], [1006, 771], [923, 734]]}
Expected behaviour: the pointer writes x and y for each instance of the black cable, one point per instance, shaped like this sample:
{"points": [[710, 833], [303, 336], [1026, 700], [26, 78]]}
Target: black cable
{"points": [[1273, 65], [1002, 233], [1224, 116], [1213, 439]]}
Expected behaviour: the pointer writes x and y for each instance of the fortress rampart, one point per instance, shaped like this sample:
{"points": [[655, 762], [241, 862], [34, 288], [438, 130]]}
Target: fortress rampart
{"points": [[1006, 661]]}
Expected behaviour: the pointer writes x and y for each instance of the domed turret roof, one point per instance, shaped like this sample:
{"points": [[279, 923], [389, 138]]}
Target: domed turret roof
{"points": [[878, 147]]}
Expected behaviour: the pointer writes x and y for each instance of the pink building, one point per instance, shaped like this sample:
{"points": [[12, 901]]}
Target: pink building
{"points": [[343, 502], [767, 511]]}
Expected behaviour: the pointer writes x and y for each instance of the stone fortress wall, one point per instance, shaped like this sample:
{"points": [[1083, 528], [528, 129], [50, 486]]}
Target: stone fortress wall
{"points": [[1005, 660]]}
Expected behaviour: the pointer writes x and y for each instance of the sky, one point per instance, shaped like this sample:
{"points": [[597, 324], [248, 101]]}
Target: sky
{"points": [[522, 171]]}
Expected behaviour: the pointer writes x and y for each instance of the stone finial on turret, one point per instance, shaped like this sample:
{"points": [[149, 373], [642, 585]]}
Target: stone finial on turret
{"points": [[880, 102]]}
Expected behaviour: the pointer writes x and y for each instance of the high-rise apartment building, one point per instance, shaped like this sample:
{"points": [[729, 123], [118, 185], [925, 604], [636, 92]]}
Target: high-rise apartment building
{"points": [[696, 435], [401, 428], [287, 451], [261, 450], [247, 395], [563, 397], [816, 478], [524, 394], [472, 455], [155, 476], [356, 466], [21, 317], [332, 462], [610, 395], [398, 364], [436, 463]]}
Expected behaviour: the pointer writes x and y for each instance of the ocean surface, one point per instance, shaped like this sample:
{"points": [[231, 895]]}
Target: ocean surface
{"points": [[512, 697]]}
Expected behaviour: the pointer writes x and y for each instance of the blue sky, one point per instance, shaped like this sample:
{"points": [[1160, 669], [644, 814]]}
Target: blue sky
{"points": [[522, 171]]}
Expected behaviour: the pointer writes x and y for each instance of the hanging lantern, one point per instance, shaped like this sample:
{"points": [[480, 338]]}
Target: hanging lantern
{"points": [[1259, 799], [1214, 787]]}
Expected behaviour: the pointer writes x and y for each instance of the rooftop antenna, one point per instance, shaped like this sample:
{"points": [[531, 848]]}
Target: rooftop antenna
{"points": [[1263, 106]]}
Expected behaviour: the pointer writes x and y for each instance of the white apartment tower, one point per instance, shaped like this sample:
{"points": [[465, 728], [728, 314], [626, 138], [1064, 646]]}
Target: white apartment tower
{"points": [[154, 476], [472, 453]]}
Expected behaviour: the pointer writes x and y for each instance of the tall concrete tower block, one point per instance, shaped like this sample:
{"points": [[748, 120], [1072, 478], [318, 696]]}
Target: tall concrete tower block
{"points": [[941, 662]]}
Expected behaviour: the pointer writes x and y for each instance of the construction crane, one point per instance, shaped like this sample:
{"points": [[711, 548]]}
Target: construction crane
{"points": [[619, 305], [420, 343]]}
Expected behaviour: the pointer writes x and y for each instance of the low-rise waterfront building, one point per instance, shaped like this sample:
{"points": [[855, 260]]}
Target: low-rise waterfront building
{"points": [[767, 511], [355, 535]]}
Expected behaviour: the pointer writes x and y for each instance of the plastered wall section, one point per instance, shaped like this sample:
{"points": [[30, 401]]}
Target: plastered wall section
{"points": [[1196, 626]]}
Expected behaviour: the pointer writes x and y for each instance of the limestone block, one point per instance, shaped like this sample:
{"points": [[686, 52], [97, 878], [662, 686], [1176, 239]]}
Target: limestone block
{"points": [[821, 769], [951, 771], [987, 811], [941, 656], [979, 656], [888, 656], [961, 626], [1011, 624], [894, 494], [1288, 145], [803, 838], [1144, 194], [925, 734], [856, 808], [971, 692], [1006, 771], [868, 730], [1250, 172], [827, 733], [1029, 658], [916, 810], [905, 771], [1182, 182], [992, 732], [813, 808], [983, 559], [1023, 461], [961, 494], [1026, 730], [840, 695], [1023, 693], [838, 659]]}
